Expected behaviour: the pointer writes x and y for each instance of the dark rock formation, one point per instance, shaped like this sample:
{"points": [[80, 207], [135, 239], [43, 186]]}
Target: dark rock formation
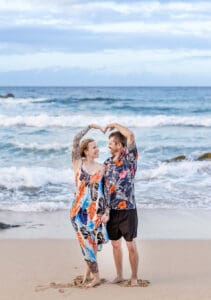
{"points": [[177, 158], [9, 95], [205, 156], [7, 226]]}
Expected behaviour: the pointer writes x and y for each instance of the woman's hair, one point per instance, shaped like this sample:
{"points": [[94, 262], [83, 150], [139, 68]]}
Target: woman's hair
{"points": [[84, 146]]}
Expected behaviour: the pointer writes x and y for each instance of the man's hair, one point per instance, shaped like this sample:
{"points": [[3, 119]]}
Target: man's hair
{"points": [[119, 138], [84, 146]]}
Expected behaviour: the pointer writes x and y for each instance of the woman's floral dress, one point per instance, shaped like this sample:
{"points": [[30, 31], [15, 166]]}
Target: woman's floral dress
{"points": [[86, 210]]}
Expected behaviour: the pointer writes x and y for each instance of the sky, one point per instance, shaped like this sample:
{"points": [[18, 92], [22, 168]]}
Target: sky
{"points": [[105, 43]]}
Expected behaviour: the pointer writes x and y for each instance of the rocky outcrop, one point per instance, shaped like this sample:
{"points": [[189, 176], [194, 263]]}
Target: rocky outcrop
{"points": [[205, 156], [9, 95], [177, 158], [7, 226]]}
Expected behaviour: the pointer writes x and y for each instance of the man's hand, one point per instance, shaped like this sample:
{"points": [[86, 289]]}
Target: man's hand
{"points": [[110, 127]]}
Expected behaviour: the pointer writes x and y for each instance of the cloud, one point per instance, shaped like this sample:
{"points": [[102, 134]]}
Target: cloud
{"points": [[118, 38], [182, 28], [112, 61], [131, 7], [107, 17]]}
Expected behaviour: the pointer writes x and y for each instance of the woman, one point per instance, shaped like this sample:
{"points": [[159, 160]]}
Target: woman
{"points": [[88, 208]]}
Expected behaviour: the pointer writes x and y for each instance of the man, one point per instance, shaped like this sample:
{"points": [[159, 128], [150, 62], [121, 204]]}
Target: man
{"points": [[119, 191]]}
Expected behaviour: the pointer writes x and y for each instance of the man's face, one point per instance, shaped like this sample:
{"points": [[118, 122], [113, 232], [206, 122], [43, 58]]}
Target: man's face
{"points": [[114, 146]]}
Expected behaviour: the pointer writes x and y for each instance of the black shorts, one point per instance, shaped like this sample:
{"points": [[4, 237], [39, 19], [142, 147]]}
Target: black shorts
{"points": [[122, 223]]}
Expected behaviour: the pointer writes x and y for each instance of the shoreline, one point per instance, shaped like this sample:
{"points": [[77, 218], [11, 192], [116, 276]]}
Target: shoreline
{"points": [[154, 224]]}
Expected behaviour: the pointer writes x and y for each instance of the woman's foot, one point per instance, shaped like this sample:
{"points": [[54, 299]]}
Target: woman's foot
{"points": [[95, 281]]}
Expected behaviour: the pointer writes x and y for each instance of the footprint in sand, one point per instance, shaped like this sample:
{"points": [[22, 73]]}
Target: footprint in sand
{"points": [[77, 283], [141, 283], [61, 287]]}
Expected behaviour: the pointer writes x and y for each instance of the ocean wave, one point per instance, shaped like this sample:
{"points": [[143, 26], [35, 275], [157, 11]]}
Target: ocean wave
{"points": [[36, 147], [33, 177], [36, 177], [48, 206], [25, 101], [70, 100], [74, 120], [177, 171]]}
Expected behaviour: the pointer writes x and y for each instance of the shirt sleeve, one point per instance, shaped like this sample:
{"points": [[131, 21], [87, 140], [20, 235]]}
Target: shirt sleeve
{"points": [[105, 188], [132, 156]]}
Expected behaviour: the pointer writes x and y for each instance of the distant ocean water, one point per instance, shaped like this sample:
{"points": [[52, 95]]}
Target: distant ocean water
{"points": [[38, 126]]}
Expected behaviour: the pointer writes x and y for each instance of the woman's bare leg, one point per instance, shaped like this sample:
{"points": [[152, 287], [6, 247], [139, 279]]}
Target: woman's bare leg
{"points": [[96, 277], [87, 274]]}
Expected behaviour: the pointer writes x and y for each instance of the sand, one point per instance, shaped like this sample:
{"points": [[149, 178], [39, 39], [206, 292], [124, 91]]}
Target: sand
{"points": [[46, 269]]}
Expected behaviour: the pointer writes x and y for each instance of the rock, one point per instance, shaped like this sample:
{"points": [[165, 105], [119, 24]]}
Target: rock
{"points": [[177, 158], [9, 95], [204, 156], [7, 226]]}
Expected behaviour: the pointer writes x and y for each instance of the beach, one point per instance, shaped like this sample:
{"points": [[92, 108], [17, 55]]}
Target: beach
{"points": [[32, 268], [41, 258]]}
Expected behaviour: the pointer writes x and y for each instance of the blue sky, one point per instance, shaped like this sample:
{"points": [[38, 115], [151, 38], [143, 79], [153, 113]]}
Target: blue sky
{"points": [[114, 43]]}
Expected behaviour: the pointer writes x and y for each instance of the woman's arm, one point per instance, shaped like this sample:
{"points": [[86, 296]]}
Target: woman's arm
{"points": [[76, 157]]}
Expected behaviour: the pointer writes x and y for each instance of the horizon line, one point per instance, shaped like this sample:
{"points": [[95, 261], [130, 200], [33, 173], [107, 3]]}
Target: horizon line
{"points": [[106, 86]]}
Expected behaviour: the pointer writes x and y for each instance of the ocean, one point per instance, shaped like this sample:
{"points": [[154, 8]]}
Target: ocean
{"points": [[38, 125]]}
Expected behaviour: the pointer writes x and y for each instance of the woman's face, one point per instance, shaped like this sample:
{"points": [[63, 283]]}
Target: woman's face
{"points": [[93, 150]]}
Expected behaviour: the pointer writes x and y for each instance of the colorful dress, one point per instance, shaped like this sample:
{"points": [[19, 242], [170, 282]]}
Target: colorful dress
{"points": [[85, 213]]}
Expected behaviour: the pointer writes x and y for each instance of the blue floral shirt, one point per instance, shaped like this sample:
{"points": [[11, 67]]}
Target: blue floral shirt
{"points": [[119, 179]]}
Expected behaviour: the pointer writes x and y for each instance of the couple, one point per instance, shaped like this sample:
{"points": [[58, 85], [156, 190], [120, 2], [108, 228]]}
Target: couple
{"points": [[104, 204]]}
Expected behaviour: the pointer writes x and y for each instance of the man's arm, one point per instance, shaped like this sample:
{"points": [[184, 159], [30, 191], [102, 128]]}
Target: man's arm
{"points": [[124, 131]]}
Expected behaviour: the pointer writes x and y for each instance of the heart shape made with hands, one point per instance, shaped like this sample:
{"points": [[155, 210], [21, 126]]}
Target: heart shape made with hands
{"points": [[109, 127]]}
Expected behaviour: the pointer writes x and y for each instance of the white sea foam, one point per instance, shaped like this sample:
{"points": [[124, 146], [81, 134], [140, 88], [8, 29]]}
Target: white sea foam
{"points": [[76, 120], [35, 206], [25, 101], [29, 177], [167, 185], [33, 177], [177, 170], [45, 147]]}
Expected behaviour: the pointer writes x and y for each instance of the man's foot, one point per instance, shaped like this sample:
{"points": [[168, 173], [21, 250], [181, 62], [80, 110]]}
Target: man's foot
{"points": [[134, 282], [118, 279], [93, 283]]}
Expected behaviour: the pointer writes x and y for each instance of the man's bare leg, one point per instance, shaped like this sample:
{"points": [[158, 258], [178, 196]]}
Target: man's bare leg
{"points": [[117, 253], [133, 257]]}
